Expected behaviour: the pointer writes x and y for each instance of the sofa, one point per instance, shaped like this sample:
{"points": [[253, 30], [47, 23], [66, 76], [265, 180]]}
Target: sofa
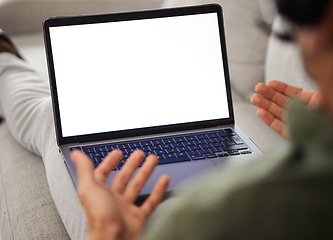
{"points": [[26, 205]]}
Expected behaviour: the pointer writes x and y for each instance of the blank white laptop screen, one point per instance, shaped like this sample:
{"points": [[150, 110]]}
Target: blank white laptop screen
{"points": [[135, 74]]}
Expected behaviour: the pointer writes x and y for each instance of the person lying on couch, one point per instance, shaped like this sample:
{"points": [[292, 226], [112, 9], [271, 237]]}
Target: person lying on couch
{"points": [[285, 195]]}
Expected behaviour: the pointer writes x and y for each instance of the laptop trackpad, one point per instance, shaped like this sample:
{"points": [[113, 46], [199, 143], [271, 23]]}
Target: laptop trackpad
{"points": [[179, 173]]}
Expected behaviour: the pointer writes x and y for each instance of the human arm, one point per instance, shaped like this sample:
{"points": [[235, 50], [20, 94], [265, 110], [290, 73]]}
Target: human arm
{"points": [[110, 210], [273, 98]]}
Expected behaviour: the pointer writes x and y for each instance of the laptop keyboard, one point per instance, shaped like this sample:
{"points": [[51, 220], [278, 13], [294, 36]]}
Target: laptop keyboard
{"points": [[178, 148]]}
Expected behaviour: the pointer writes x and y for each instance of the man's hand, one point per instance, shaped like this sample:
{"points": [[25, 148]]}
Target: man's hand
{"points": [[110, 210], [273, 99]]}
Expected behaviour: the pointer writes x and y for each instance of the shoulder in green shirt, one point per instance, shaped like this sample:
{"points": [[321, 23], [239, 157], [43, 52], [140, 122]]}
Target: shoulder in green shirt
{"points": [[287, 194]]}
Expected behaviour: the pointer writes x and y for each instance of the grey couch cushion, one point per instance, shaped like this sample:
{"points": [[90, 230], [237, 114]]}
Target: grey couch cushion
{"points": [[284, 62], [27, 208]]}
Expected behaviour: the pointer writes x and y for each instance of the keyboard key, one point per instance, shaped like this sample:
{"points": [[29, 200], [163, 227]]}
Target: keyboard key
{"points": [[159, 152], [169, 140], [211, 155], [166, 146], [100, 149], [222, 139], [175, 145], [202, 136], [234, 153], [204, 151], [211, 140], [98, 154], [129, 151], [189, 143], [215, 145], [172, 150], [200, 142], [229, 131], [183, 149], [197, 157], [123, 146], [135, 145], [180, 139], [246, 152], [194, 147], [149, 153], [155, 147], [171, 155], [236, 139], [190, 138], [183, 159], [223, 154], [216, 150], [173, 160], [193, 153], [74, 148], [157, 142], [223, 134], [111, 148], [160, 156], [145, 149], [180, 154], [88, 150], [206, 146], [212, 135], [146, 144], [234, 147], [230, 143]]}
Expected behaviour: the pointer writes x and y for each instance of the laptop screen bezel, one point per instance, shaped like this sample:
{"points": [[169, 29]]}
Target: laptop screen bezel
{"points": [[127, 16]]}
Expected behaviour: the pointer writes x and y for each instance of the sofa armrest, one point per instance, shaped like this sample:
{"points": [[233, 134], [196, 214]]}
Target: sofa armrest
{"points": [[284, 61]]}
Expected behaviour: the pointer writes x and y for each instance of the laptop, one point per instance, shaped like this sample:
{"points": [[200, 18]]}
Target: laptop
{"points": [[155, 80]]}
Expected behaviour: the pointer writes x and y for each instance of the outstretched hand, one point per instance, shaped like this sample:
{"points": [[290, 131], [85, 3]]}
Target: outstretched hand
{"points": [[110, 210], [273, 98]]}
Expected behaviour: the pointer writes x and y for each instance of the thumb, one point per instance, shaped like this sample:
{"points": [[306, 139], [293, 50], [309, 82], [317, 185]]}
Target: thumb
{"points": [[84, 167]]}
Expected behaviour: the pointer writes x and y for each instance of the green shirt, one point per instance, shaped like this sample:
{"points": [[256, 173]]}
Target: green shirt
{"points": [[287, 194]]}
